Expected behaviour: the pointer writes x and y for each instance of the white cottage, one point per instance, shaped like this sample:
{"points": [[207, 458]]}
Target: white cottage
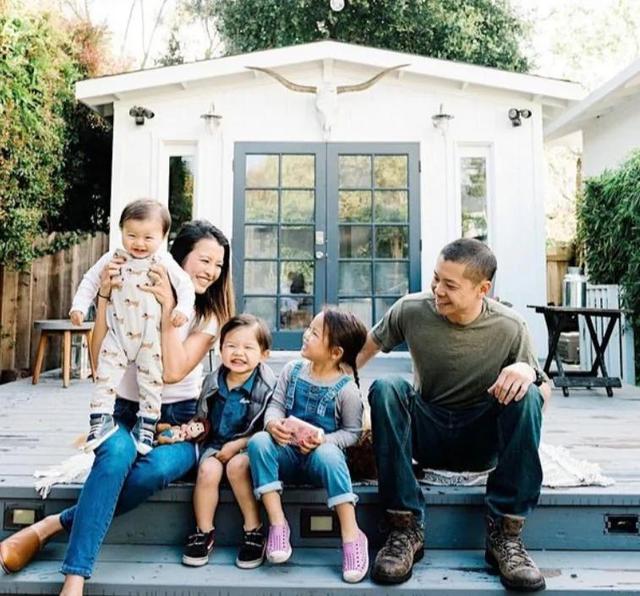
{"points": [[609, 119], [336, 185]]}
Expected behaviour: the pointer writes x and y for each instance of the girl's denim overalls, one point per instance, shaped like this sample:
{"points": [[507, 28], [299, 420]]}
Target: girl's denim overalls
{"points": [[324, 466]]}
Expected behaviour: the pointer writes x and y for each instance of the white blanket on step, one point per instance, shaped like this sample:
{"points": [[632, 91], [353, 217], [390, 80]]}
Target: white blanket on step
{"points": [[559, 470]]}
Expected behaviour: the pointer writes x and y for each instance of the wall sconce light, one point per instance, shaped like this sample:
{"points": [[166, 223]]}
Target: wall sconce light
{"points": [[516, 115], [441, 120], [211, 118], [138, 113]]}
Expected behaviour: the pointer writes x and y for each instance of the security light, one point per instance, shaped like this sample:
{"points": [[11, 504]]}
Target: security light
{"points": [[138, 113]]}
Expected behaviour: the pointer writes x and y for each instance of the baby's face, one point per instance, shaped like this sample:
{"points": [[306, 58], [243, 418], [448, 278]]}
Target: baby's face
{"points": [[142, 237]]}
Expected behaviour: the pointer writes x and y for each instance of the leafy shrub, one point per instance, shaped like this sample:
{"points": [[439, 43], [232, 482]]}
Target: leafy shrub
{"points": [[609, 232]]}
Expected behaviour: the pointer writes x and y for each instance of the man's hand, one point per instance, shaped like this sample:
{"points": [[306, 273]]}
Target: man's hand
{"points": [[311, 443], [512, 382], [279, 432]]}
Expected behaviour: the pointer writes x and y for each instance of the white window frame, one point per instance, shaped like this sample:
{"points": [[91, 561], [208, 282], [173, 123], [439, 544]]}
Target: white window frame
{"points": [[481, 150]]}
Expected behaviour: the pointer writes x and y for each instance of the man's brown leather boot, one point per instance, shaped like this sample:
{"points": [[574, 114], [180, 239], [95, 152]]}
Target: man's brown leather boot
{"points": [[17, 550], [404, 547], [506, 552]]}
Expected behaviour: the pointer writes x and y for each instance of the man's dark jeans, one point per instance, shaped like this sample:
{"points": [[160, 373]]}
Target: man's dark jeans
{"points": [[478, 438]]}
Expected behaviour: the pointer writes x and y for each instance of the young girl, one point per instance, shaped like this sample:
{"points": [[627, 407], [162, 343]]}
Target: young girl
{"points": [[233, 399], [318, 391], [133, 320]]}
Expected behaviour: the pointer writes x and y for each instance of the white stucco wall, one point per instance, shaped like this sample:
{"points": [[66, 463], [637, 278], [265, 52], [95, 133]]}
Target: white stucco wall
{"points": [[397, 109], [608, 140]]}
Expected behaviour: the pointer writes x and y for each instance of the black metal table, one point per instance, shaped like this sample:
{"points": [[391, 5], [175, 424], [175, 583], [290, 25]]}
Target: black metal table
{"points": [[556, 318]]}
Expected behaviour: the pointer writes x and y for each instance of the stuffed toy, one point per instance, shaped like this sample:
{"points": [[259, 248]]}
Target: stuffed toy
{"points": [[195, 430]]}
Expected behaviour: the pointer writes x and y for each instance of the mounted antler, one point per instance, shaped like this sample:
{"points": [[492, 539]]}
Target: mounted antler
{"points": [[372, 81], [284, 81]]}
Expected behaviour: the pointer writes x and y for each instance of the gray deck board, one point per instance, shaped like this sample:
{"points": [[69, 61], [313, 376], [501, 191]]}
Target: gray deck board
{"points": [[157, 570], [40, 423]]}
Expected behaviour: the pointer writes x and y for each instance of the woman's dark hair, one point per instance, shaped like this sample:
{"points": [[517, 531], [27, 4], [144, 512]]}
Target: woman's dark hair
{"points": [[218, 300], [263, 335], [345, 330], [144, 209]]}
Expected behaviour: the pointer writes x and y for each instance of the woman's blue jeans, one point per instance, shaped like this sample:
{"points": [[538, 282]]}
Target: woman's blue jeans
{"points": [[324, 466], [404, 427], [120, 480]]}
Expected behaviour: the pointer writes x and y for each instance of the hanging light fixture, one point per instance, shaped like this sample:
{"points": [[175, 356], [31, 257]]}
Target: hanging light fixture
{"points": [[441, 120], [336, 5]]}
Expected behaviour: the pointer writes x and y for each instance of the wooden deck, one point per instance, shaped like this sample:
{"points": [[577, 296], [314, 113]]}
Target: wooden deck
{"points": [[39, 424]]}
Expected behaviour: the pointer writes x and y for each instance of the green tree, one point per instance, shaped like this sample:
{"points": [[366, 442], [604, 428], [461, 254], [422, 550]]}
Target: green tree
{"points": [[486, 32], [51, 174]]}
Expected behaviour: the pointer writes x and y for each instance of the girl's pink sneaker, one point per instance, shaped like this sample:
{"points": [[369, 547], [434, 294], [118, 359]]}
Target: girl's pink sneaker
{"points": [[355, 559], [278, 544]]}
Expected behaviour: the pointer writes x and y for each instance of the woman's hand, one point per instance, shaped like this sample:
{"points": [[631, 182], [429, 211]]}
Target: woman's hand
{"points": [[311, 443], [279, 431], [160, 286], [110, 276]]}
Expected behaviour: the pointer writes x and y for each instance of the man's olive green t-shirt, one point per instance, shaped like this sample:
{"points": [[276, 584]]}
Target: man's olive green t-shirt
{"points": [[455, 364]]}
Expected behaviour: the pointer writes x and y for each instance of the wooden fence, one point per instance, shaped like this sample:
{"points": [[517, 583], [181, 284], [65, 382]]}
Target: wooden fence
{"points": [[558, 259], [43, 292]]}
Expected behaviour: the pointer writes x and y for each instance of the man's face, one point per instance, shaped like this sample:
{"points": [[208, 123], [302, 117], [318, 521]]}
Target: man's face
{"points": [[456, 295]]}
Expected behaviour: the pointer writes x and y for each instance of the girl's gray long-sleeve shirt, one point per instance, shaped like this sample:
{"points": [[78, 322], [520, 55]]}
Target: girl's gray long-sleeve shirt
{"points": [[349, 407]]}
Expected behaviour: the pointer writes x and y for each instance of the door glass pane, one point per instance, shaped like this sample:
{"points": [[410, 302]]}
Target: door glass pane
{"points": [[361, 307], [390, 171], [181, 179], [354, 171], [383, 305], [355, 205], [391, 278], [265, 308], [355, 241], [261, 171], [473, 194], [298, 171], [298, 206], [261, 242], [296, 277], [391, 206], [392, 242], [261, 205], [354, 278], [260, 277], [295, 313], [296, 242]]}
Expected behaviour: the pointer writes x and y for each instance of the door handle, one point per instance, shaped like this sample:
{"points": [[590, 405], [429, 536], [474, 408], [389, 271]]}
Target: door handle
{"points": [[320, 255]]}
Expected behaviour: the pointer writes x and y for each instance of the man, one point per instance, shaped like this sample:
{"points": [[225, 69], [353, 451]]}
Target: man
{"points": [[477, 403]]}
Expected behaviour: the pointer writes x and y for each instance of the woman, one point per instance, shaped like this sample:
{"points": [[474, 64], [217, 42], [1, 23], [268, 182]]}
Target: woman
{"points": [[120, 479]]}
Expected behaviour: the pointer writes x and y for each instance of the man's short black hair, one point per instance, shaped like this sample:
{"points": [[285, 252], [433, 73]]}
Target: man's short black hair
{"points": [[480, 261]]}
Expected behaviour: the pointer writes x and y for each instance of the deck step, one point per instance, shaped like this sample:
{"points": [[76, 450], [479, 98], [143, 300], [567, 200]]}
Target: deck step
{"points": [[156, 570], [580, 519]]}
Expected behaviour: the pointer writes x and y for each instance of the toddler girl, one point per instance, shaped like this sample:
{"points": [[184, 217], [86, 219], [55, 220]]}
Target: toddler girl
{"points": [[320, 391], [133, 321], [233, 400]]}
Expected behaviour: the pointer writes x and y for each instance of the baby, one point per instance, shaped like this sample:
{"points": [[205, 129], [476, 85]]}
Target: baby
{"points": [[133, 321]]}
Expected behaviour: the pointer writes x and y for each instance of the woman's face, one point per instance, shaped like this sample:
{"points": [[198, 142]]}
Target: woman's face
{"points": [[204, 263]]}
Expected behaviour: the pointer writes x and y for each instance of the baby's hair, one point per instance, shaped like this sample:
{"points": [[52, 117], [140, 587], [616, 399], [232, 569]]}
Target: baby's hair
{"points": [[345, 330], [141, 209], [263, 335], [207, 429]]}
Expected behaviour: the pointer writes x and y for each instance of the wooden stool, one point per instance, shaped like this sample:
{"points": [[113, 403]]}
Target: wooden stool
{"points": [[65, 328]]}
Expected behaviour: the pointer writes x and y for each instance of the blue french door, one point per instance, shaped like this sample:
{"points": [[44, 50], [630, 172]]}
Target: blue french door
{"points": [[318, 223]]}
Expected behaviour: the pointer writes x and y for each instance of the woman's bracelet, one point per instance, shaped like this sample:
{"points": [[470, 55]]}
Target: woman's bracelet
{"points": [[104, 297]]}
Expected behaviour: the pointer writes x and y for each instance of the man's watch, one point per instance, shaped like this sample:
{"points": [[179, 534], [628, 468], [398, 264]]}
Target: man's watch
{"points": [[539, 377]]}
